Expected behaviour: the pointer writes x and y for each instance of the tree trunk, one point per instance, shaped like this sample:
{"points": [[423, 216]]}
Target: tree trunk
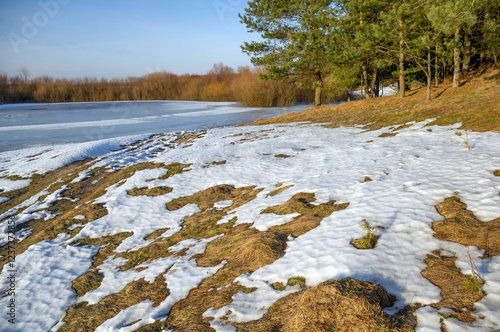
{"points": [[319, 85], [365, 82], [456, 60], [402, 83], [436, 65], [467, 50], [429, 77], [317, 97], [349, 98], [373, 91]]}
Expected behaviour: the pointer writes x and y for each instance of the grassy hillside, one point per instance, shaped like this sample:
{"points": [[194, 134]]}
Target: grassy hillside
{"points": [[476, 103]]}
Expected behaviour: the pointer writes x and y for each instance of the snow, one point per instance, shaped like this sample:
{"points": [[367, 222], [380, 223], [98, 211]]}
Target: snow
{"points": [[43, 285], [411, 173], [182, 276], [223, 204], [26, 162], [9, 185]]}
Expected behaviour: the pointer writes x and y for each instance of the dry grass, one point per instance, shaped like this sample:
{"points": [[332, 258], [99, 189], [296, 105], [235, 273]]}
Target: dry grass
{"points": [[40, 182], [461, 226], [310, 214], [279, 190], [108, 245], [244, 249], [459, 291], [215, 163], [188, 138], [156, 234], [370, 240], [475, 104], [343, 305], [84, 317], [337, 305], [152, 192], [87, 282], [174, 169], [85, 191], [197, 226]]}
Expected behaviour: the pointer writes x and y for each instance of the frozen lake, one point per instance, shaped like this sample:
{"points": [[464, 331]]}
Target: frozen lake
{"points": [[27, 125]]}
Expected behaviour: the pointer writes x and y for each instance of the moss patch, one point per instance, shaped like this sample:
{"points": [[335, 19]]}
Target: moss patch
{"points": [[297, 281]]}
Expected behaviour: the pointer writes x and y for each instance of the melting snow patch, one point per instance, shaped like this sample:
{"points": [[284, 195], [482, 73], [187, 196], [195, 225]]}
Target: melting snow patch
{"points": [[8, 185], [182, 276], [223, 204], [43, 279]]}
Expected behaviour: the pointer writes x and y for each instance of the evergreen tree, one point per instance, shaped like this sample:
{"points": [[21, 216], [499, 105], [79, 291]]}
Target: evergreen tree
{"points": [[487, 33], [397, 29], [452, 18], [296, 39], [361, 20]]}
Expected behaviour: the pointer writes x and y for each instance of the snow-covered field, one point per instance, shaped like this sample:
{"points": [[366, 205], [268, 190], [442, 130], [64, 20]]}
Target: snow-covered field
{"points": [[411, 173]]}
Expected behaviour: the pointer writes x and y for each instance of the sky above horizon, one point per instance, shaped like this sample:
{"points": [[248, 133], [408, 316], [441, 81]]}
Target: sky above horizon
{"points": [[120, 38]]}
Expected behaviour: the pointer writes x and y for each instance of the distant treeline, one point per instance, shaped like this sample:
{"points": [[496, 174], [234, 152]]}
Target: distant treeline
{"points": [[222, 83]]}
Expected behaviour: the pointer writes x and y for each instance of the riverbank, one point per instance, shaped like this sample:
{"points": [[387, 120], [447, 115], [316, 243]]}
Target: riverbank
{"points": [[475, 104], [255, 227]]}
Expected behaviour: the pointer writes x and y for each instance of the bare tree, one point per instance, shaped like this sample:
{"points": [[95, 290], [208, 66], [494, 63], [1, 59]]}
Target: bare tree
{"points": [[24, 74]]}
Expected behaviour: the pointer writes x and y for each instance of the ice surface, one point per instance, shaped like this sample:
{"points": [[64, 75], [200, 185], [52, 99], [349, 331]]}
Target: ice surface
{"points": [[30, 125], [411, 173]]}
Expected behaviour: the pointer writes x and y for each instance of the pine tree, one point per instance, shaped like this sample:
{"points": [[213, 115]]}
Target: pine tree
{"points": [[296, 38], [452, 18], [364, 20], [398, 31]]}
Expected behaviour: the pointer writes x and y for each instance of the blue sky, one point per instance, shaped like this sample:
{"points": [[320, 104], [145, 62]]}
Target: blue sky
{"points": [[120, 38]]}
